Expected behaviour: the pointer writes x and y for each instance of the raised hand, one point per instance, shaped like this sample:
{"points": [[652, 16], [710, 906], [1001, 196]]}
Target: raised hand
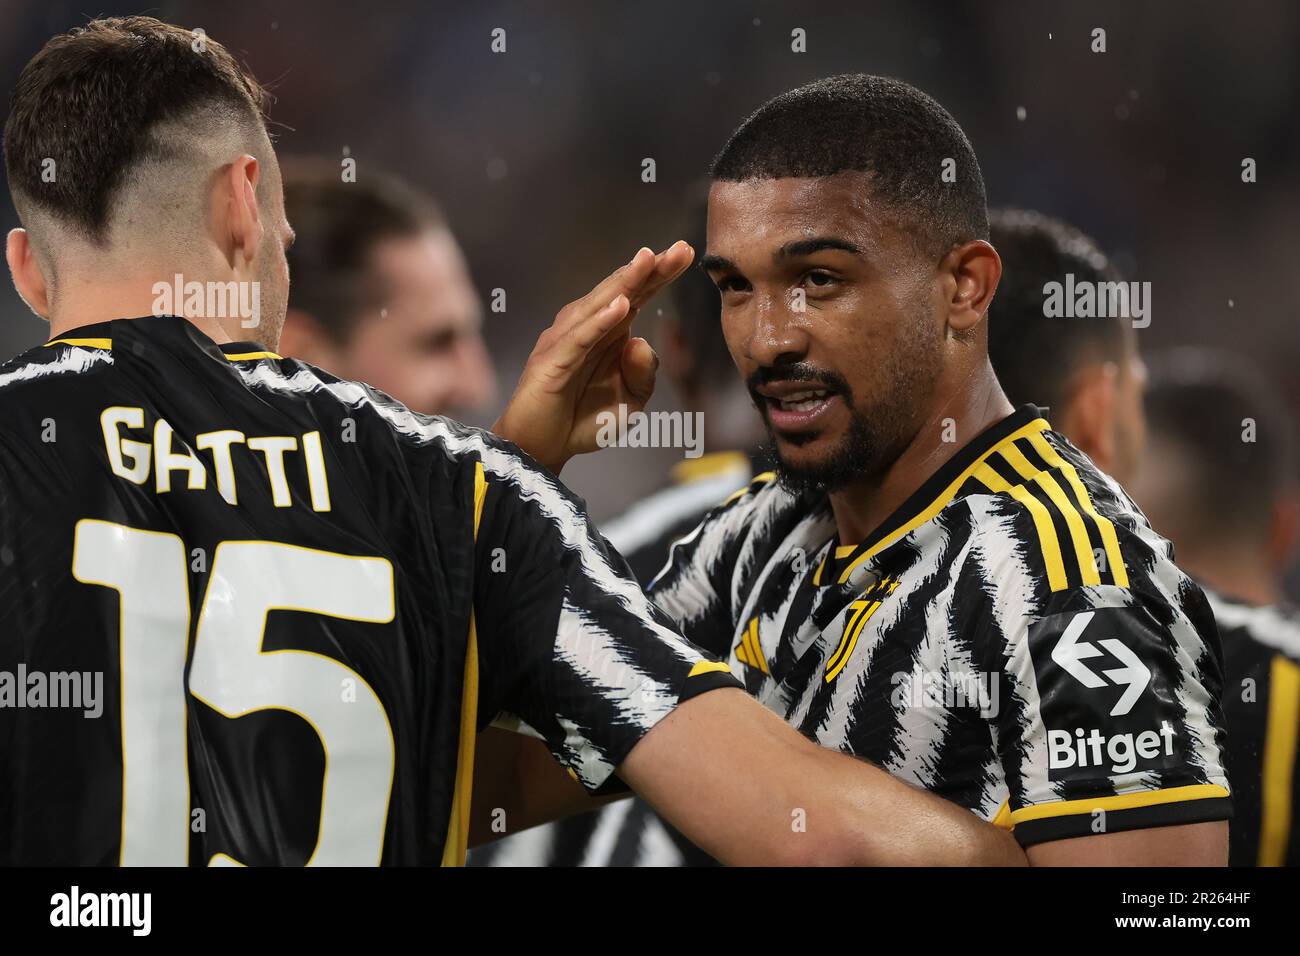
{"points": [[587, 362]]}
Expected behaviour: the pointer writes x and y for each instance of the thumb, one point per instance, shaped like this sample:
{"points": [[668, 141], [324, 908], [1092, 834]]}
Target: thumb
{"points": [[639, 366]]}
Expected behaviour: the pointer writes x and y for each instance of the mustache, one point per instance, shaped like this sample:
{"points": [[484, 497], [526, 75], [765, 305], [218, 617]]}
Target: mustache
{"points": [[796, 372]]}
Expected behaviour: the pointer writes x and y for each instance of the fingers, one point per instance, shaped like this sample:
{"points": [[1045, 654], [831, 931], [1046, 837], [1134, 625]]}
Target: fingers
{"points": [[669, 264], [573, 345], [639, 364]]}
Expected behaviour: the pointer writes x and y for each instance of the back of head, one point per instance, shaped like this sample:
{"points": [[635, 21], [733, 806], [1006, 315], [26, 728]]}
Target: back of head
{"points": [[113, 131], [1222, 456], [339, 225], [874, 124], [1036, 355]]}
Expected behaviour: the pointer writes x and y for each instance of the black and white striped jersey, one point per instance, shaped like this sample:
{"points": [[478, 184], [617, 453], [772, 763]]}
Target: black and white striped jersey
{"points": [[1261, 703], [629, 832], [1014, 637], [301, 600]]}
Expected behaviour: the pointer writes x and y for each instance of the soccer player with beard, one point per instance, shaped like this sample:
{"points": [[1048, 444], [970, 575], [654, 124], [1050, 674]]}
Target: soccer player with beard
{"points": [[269, 565], [936, 581]]}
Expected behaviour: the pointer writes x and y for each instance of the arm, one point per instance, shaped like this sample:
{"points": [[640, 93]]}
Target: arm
{"points": [[747, 788], [518, 784]]}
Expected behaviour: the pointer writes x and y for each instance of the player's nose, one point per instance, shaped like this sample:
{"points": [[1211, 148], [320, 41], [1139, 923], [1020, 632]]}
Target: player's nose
{"points": [[777, 336]]}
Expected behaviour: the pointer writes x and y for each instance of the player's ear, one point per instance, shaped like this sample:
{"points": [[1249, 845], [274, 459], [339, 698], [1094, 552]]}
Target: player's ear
{"points": [[238, 217], [1089, 419], [974, 269], [27, 275]]}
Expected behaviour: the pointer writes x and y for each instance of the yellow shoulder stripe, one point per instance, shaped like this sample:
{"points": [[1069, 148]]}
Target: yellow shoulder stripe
{"points": [[1035, 427], [1048, 542], [1108, 537]]}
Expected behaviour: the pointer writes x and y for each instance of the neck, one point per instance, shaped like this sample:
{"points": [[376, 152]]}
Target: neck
{"points": [[88, 299], [979, 402]]}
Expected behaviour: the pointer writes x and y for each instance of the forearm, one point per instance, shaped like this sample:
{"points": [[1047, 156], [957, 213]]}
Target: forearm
{"points": [[518, 784], [749, 790]]}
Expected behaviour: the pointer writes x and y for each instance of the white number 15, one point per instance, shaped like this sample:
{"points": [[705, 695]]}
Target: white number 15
{"points": [[234, 676]]}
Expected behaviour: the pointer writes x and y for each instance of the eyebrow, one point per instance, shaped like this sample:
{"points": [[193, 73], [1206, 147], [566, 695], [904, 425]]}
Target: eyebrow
{"points": [[791, 250], [806, 247]]}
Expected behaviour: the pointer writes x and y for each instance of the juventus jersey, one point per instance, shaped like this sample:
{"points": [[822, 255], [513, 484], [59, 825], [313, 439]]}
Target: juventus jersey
{"points": [[629, 832], [252, 614], [1261, 702], [1014, 637]]}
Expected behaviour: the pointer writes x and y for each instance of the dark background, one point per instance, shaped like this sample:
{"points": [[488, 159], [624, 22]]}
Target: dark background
{"points": [[536, 153]]}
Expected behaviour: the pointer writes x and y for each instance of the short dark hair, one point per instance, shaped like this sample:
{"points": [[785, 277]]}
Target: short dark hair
{"points": [[337, 225], [1035, 355], [873, 124], [90, 99], [1198, 402]]}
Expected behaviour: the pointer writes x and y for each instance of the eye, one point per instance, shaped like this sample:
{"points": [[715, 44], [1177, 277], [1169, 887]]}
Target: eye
{"points": [[727, 284], [819, 279]]}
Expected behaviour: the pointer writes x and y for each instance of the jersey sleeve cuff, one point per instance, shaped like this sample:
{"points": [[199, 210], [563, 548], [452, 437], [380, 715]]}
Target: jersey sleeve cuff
{"points": [[1172, 806], [705, 676]]}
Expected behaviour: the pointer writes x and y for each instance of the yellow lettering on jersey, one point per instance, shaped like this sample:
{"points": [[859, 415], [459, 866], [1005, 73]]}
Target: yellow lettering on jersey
{"points": [[273, 448], [165, 453], [317, 479], [166, 461], [119, 449], [219, 443]]}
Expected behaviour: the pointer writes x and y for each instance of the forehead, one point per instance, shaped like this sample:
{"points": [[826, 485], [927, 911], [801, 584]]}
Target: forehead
{"points": [[771, 212]]}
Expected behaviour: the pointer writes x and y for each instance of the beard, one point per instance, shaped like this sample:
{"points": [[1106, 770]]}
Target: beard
{"points": [[878, 432]]}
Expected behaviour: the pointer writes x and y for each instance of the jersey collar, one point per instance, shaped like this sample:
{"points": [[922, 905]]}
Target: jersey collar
{"points": [[935, 493], [100, 336]]}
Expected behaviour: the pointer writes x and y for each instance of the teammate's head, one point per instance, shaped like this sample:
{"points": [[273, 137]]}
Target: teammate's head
{"points": [[1085, 371], [846, 231], [1219, 477], [381, 290], [136, 150]]}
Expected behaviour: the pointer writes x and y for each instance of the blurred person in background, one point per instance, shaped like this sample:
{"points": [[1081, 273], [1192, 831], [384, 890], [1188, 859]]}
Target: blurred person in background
{"points": [[1219, 480], [695, 361], [382, 293], [1086, 372]]}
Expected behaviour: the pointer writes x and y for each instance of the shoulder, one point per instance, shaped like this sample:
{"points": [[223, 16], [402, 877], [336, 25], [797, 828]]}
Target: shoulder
{"points": [[37, 368], [1271, 628]]}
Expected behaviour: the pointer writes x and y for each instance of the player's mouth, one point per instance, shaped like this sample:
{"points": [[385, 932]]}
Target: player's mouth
{"points": [[797, 406]]}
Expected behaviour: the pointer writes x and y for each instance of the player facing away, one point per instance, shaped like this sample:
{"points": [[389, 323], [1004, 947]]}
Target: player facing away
{"points": [[302, 599], [1220, 482], [935, 580]]}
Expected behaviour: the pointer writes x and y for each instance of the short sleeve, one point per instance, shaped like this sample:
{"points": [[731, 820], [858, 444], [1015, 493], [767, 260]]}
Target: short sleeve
{"points": [[570, 648], [1112, 718]]}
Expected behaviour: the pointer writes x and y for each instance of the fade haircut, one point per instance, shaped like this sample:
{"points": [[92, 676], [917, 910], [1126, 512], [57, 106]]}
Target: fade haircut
{"points": [[877, 125], [1035, 356], [339, 225], [104, 102], [1222, 482]]}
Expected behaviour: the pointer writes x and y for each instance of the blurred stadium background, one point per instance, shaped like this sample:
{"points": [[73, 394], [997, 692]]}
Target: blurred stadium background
{"points": [[536, 153]]}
